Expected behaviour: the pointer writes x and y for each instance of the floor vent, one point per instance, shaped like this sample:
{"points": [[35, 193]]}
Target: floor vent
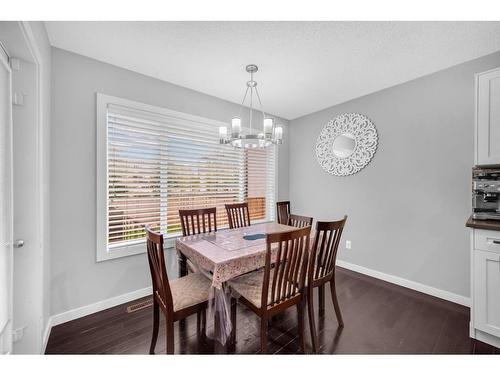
{"points": [[139, 306]]}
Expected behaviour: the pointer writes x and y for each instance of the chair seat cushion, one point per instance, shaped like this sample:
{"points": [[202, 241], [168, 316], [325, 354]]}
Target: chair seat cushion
{"points": [[189, 290], [249, 286]]}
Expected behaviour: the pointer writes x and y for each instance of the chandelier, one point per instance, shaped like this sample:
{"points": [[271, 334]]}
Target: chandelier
{"points": [[270, 134]]}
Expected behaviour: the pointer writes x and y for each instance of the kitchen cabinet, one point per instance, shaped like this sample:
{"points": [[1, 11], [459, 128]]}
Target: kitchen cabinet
{"points": [[485, 311], [487, 121]]}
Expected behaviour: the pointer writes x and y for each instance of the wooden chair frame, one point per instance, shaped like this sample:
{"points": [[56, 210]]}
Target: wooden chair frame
{"points": [[288, 280], [162, 294], [196, 221], [299, 221], [321, 269], [238, 215], [282, 212], [190, 221]]}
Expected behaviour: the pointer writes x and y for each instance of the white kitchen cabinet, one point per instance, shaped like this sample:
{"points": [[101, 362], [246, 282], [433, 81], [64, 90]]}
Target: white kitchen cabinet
{"points": [[488, 118], [487, 291], [485, 312]]}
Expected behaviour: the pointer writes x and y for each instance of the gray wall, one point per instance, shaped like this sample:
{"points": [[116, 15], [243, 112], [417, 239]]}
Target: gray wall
{"points": [[408, 208], [76, 279]]}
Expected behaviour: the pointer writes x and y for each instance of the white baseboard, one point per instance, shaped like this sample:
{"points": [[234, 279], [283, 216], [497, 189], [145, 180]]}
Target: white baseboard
{"points": [[46, 334], [99, 306], [487, 338], [443, 294], [92, 308]]}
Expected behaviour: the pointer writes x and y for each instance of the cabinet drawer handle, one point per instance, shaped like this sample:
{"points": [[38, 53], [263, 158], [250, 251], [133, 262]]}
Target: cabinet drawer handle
{"points": [[496, 242]]}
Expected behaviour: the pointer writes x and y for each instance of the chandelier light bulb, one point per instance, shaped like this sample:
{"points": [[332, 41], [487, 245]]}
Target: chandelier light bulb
{"points": [[278, 134], [223, 134], [235, 127], [268, 127]]}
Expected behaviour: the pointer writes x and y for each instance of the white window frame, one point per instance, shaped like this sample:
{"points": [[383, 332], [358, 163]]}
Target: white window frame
{"points": [[103, 251]]}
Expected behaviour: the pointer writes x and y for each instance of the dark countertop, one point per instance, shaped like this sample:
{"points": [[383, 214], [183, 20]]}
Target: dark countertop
{"points": [[483, 224]]}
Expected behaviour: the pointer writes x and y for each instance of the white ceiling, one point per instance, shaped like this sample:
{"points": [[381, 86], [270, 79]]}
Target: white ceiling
{"points": [[304, 66]]}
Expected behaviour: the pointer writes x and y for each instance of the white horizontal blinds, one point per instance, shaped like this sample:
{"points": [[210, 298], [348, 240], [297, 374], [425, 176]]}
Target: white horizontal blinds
{"points": [[135, 160], [260, 183], [158, 164]]}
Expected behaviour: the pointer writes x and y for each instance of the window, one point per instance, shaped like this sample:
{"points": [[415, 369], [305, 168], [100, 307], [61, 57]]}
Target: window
{"points": [[153, 162]]}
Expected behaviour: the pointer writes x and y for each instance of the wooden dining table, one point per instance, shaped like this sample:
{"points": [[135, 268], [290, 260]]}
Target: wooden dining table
{"points": [[222, 256]]}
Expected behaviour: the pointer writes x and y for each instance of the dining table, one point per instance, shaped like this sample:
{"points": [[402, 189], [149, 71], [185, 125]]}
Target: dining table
{"points": [[222, 256]]}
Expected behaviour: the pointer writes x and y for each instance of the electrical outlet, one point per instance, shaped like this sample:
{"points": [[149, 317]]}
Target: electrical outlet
{"points": [[348, 244]]}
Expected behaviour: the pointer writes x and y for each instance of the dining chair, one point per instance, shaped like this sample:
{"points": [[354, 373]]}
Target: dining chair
{"points": [[299, 221], [323, 256], [238, 215], [282, 212], [177, 298], [278, 286], [195, 222], [198, 221]]}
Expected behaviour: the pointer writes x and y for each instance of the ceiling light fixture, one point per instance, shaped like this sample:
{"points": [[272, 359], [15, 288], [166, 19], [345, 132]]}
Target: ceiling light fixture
{"points": [[270, 135]]}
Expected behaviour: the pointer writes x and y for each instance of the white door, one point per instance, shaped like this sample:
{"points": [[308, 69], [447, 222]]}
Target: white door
{"points": [[487, 291], [6, 203], [488, 117]]}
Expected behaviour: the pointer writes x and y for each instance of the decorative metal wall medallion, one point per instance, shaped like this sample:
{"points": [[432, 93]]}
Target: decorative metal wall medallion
{"points": [[346, 144]]}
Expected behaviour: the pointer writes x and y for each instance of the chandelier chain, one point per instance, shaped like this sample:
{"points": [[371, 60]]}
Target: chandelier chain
{"points": [[260, 103], [243, 102], [251, 106]]}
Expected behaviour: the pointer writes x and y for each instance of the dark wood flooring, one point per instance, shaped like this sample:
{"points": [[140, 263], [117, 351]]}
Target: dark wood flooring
{"points": [[380, 318]]}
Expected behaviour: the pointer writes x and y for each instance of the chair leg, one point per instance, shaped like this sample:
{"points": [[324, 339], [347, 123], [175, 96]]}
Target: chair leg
{"points": [[312, 324], [300, 313], [336, 302], [183, 269], [234, 303], [263, 335], [170, 336], [321, 299], [156, 326]]}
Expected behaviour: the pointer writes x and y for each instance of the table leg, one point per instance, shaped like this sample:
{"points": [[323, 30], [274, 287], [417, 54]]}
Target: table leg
{"points": [[183, 271]]}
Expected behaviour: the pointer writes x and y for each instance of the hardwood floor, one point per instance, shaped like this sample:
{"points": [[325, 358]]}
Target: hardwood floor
{"points": [[380, 318]]}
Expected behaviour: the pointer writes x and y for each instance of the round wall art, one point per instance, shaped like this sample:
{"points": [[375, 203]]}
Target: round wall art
{"points": [[346, 144]]}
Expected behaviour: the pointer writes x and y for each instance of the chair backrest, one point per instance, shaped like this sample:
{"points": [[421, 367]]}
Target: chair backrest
{"points": [[159, 278], [282, 212], [299, 221], [238, 215], [284, 274], [325, 247], [198, 221]]}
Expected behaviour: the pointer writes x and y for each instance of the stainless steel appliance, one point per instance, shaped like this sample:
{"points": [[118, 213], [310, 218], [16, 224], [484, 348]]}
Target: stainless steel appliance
{"points": [[486, 193]]}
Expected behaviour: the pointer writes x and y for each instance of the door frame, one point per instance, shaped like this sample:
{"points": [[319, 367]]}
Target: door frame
{"points": [[23, 41], [32, 45], [7, 341]]}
